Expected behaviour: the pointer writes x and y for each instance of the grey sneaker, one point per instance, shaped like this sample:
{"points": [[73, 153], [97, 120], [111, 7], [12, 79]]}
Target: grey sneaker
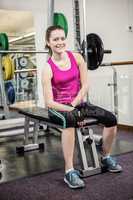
{"points": [[111, 165], [73, 179]]}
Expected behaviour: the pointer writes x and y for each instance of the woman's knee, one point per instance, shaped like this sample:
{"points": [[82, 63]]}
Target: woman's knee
{"points": [[111, 121]]}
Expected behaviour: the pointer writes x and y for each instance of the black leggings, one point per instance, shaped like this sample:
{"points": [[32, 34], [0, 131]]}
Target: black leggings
{"points": [[103, 116]]}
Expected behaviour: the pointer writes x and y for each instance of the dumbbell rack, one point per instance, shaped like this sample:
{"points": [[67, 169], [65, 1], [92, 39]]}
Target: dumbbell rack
{"points": [[20, 91], [17, 77], [5, 114]]}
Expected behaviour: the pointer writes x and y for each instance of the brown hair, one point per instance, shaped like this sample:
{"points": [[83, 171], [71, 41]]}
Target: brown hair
{"points": [[48, 33]]}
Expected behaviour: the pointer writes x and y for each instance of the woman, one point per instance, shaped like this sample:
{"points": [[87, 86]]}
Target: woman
{"points": [[65, 83]]}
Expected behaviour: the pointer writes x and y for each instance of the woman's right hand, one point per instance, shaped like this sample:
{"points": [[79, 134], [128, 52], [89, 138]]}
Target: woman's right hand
{"points": [[76, 116], [71, 108]]}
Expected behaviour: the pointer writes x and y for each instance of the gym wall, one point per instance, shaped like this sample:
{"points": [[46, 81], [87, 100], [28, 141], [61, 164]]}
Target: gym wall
{"points": [[111, 19]]}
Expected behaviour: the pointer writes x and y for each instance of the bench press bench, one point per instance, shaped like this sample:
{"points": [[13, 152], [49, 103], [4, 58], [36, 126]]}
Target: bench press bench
{"points": [[39, 115]]}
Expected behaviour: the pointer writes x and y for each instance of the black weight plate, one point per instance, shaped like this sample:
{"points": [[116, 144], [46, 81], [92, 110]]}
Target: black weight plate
{"points": [[95, 50]]}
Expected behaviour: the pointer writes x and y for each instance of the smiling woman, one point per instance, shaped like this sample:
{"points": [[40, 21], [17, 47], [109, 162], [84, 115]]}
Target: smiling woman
{"points": [[55, 38], [65, 83]]}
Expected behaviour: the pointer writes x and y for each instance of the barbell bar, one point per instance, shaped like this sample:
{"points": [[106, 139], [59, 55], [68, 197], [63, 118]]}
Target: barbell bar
{"points": [[102, 65], [129, 62], [25, 70], [26, 52]]}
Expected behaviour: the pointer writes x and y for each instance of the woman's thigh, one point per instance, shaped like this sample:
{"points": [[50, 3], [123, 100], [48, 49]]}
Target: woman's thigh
{"points": [[103, 116]]}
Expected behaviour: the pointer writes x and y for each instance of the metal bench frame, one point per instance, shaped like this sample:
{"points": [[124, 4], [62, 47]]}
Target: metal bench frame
{"points": [[39, 116]]}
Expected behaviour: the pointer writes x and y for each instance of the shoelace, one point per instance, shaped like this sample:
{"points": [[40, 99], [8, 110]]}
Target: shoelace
{"points": [[74, 174], [111, 161]]}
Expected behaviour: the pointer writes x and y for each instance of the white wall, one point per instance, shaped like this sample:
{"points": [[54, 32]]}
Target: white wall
{"points": [[110, 19], [31, 5], [125, 94], [101, 92]]}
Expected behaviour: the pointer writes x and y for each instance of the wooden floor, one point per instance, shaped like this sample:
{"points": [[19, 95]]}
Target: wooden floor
{"points": [[35, 162]]}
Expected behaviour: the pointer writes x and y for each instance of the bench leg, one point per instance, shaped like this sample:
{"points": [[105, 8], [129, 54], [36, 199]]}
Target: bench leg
{"points": [[35, 132], [26, 130], [86, 169], [30, 146]]}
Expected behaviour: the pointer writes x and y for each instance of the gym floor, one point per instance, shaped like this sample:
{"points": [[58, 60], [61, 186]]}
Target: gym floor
{"points": [[35, 162]]}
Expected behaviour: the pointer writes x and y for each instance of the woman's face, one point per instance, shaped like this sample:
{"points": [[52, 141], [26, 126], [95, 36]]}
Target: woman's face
{"points": [[57, 41]]}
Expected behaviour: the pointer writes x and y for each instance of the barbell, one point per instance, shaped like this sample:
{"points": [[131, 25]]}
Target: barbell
{"points": [[95, 50]]}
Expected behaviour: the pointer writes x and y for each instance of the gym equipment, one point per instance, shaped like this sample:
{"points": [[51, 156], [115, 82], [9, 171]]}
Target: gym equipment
{"points": [[23, 75], [4, 45], [38, 116], [2, 116], [127, 62], [10, 92], [24, 52], [95, 51], [98, 140], [60, 20], [5, 113], [86, 141], [1, 167], [7, 67], [76, 16], [22, 62], [24, 84], [25, 70], [12, 69]]}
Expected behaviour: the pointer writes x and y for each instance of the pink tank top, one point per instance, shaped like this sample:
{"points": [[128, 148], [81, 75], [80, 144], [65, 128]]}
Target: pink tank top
{"points": [[65, 83]]}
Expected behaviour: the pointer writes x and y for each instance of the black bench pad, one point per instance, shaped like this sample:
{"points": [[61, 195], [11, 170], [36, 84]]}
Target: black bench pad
{"points": [[36, 113], [41, 114]]}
